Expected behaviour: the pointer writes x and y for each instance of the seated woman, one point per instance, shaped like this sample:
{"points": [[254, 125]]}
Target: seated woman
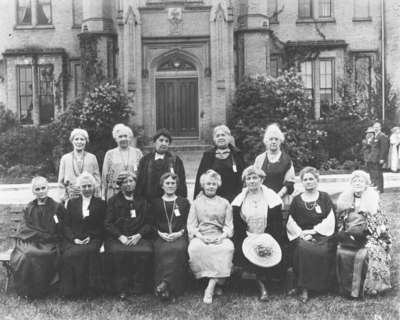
{"points": [[256, 210], [128, 248], [83, 229], [310, 226], [363, 259], [34, 258], [210, 227], [170, 213]]}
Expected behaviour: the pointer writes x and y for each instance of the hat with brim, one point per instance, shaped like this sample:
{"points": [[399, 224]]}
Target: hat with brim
{"points": [[370, 130], [262, 250]]}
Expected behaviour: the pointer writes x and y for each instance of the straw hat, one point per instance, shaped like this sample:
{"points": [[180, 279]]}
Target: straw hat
{"points": [[252, 249]]}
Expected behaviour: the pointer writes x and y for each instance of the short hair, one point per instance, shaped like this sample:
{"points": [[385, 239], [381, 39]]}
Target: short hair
{"points": [[360, 174], [311, 170], [84, 176], [273, 130], [167, 175], [124, 175], [222, 128], [38, 179], [79, 131], [212, 175], [162, 132], [253, 170], [121, 128]]}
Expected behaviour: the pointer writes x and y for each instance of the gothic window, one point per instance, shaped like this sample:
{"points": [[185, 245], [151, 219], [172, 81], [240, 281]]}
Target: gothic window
{"points": [[176, 64]]}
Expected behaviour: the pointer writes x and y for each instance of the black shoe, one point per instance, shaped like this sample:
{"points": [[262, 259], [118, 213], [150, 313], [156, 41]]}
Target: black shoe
{"points": [[162, 291]]}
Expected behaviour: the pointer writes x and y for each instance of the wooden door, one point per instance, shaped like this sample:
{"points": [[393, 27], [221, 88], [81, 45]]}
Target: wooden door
{"points": [[177, 106]]}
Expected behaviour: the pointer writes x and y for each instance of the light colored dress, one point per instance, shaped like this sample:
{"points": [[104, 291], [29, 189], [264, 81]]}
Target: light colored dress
{"points": [[115, 162], [71, 168], [211, 217]]}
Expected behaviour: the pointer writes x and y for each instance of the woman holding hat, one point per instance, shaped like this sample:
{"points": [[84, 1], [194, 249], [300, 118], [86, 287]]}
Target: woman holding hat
{"points": [[210, 227], [128, 247], [76, 162], [170, 246], [363, 259], [83, 231], [257, 219], [310, 226], [122, 158]]}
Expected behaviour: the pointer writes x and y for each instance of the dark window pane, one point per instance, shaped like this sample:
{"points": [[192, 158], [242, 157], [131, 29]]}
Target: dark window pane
{"points": [[43, 12], [25, 94], [46, 98], [326, 76], [274, 66], [24, 12], [305, 9], [77, 79]]}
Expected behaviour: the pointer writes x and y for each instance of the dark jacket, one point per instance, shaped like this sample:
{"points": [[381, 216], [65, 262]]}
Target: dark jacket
{"points": [[379, 148]]}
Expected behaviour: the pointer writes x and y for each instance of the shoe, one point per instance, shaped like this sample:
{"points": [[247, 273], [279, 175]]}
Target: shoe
{"points": [[162, 291], [304, 296], [292, 292], [122, 295]]}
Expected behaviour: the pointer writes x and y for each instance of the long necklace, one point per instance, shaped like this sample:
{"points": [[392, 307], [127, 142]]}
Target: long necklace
{"points": [[169, 220], [310, 205], [75, 163], [125, 164]]}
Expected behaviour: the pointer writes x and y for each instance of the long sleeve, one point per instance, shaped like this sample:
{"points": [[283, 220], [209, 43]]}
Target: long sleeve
{"points": [[141, 177], [96, 170], [192, 222], [105, 174], [293, 230], [61, 171], [228, 226], [148, 227], [327, 226], [97, 230], [200, 171], [110, 221], [67, 223], [289, 179], [180, 170]]}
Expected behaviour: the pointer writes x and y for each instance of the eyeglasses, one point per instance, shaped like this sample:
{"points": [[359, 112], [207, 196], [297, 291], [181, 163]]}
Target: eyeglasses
{"points": [[37, 189]]}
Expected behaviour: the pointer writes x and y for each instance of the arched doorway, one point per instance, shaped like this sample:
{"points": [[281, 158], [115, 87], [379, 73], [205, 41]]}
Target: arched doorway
{"points": [[177, 101]]}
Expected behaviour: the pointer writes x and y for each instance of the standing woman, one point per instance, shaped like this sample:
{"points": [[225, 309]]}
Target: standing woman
{"points": [[36, 253], [170, 213], [226, 160], [83, 230], [210, 227], [363, 255], [310, 226], [276, 164], [128, 247], [256, 211], [121, 158], [73, 164]]}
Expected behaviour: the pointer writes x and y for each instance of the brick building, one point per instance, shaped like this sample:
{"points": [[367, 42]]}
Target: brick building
{"points": [[182, 59]]}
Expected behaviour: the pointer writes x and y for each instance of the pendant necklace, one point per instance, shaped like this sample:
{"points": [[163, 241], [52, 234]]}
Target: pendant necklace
{"points": [[79, 163], [169, 221]]}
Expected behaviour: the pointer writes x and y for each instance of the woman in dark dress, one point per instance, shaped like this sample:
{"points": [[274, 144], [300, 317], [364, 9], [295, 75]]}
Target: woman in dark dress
{"points": [[256, 210], [310, 226], [226, 160], [170, 214], [128, 246], [83, 229], [35, 256]]}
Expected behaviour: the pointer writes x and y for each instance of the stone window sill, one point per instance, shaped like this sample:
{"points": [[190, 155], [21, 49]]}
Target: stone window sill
{"points": [[37, 27], [317, 20], [365, 19]]}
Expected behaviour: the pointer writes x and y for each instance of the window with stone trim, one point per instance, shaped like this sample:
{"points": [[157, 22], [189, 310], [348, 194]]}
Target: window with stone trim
{"points": [[363, 73], [34, 12], [305, 9], [326, 81], [325, 8], [306, 72], [361, 10], [25, 93], [45, 94]]}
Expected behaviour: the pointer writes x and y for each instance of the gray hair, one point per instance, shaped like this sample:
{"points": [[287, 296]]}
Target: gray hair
{"points": [[252, 170], [121, 128], [86, 176], [222, 128], [39, 179], [360, 174], [311, 170], [273, 130], [79, 132], [212, 175]]}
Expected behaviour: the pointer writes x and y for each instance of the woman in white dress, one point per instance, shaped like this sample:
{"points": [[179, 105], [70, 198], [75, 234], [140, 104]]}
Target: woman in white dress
{"points": [[209, 227], [122, 158]]}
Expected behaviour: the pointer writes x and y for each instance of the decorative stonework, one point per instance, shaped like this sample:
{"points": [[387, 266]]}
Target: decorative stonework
{"points": [[175, 18]]}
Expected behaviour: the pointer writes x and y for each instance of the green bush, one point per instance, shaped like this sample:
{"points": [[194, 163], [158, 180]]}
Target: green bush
{"points": [[262, 100], [7, 119]]}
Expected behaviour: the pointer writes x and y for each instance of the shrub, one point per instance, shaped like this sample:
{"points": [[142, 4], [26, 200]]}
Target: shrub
{"points": [[260, 101], [7, 119]]}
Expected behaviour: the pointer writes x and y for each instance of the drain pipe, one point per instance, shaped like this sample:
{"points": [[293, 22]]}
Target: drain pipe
{"points": [[383, 61]]}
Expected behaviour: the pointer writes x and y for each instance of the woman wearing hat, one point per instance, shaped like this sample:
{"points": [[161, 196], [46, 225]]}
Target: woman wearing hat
{"points": [[170, 246], [363, 259], [122, 158], [128, 247], [310, 226], [83, 231], [210, 227], [258, 228], [225, 159], [74, 163]]}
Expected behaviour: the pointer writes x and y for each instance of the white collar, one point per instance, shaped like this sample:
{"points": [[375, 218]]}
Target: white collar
{"points": [[270, 197], [159, 156]]}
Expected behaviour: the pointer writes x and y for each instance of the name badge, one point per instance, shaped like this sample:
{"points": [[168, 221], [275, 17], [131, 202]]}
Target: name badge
{"points": [[56, 219], [234, 168], [318, 209], [85, 213], [177, 213], [102, 248], [133, 213], [172, 170]]}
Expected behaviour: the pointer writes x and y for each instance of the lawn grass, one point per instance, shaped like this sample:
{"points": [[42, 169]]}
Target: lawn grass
{"points": [[235, 304]]}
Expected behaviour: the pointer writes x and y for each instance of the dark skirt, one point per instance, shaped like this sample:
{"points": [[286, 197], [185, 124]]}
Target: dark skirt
{"points": [[34, 266], [314, 263], [171, 263], [81, 269], [128, 267], [351, 268]]}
